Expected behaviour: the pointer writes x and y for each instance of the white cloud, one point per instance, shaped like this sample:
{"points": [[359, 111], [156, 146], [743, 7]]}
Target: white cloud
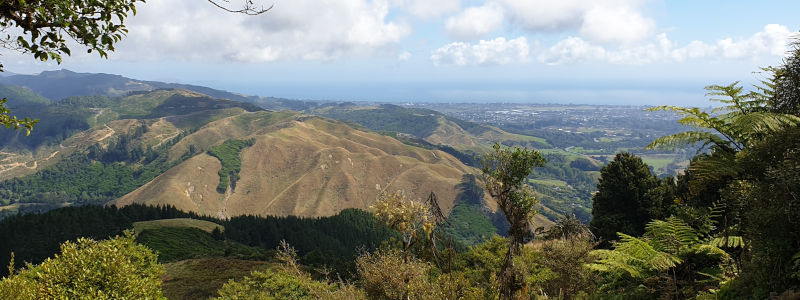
{"points": [[600, 21], [475, 22], [292, 30], [622, 24], [427, 9], [571, 50], [545, 15], [769, 42], [498, 51]]}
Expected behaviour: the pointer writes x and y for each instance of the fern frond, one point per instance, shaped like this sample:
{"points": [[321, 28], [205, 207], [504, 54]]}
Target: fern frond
{"points": [[733, 241], [760, 123], [671, 235], [633, 256], [685, 138], [715, 167]]}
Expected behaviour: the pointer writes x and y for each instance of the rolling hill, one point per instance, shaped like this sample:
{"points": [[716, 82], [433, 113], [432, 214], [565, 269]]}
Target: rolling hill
{"points": [[298, 165], [157, 148], [431, 126]]}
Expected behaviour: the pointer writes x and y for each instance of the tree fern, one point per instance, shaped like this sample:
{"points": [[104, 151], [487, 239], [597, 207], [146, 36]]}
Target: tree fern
{"points": [[633, 256], [741, 121], [671, 235]]}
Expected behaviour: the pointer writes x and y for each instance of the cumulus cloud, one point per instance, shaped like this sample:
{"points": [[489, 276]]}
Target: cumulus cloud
{"points": [[622, 24], [600, 21], [771, 41], [292, 30], [545, 15], [475, 22], [498, 51], [571, 50], [429, 9]]}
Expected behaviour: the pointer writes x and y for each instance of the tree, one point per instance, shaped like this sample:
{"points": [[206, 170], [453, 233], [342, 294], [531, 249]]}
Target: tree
{"points": [[112, 269], [786, 83], [505, 171], [624, 201]]}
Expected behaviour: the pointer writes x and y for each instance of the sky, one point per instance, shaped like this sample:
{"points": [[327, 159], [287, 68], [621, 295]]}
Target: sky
{"points": [[632, 52]]}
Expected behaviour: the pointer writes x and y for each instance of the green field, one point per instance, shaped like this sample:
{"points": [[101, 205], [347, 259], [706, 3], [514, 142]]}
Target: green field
{"points": [[658, 162], [550, 182], [206, 226]]}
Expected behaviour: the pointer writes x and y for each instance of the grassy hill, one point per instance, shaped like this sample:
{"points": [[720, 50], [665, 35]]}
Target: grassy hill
{"points": [[298, 165], [150, 147], [429, 125]]}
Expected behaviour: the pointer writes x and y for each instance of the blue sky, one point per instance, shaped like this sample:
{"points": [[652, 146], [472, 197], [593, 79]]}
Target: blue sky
{"points": [[544, 51]]}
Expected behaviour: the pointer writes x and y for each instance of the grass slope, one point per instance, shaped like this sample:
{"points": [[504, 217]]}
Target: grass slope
{"points": [[201, 278], [203, 225], [179, 243]]}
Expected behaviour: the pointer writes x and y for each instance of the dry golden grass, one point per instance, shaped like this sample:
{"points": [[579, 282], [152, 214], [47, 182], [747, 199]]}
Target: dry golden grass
{"points": [[301, 165]]}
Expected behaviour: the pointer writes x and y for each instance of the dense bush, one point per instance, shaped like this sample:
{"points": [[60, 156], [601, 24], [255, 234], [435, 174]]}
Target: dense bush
{"points": [[86, 269]]}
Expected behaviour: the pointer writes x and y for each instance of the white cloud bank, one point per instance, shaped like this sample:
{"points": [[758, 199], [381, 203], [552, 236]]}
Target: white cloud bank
{"points": [[427, 9], [771, 41], [292, 30], [600, 21], [498, 51]]}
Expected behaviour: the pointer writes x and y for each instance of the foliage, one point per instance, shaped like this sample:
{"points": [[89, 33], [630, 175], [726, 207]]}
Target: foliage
{"points": [[469, 225], [505, 172], [766, 194], [389, 274], [331, 241], [99, 176], [584, 165], [741, 122], [627, 198], [35, 237], [48, 24], [86, 269], [287, 281], [566, 258], [470, 222], [413, 219], [785, 83], [270, 285], [570, 228], [670, 259], [12, 122], [229, 155], [179, 243]]}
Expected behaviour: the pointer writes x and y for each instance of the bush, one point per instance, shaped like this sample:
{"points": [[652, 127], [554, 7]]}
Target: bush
{"points": [[387, 274], [87, 269]]}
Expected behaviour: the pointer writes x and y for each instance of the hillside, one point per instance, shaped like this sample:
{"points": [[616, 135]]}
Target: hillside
{"points": [[76, 123], [298, 165], [158, 147], [431, 126], [60, 84]]}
